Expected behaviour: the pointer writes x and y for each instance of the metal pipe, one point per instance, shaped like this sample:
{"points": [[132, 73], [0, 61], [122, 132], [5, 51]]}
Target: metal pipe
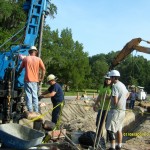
{"points": [[71, 142], [146, 41], [41, 35], [98, 126], [103, 122], [39, 47]]}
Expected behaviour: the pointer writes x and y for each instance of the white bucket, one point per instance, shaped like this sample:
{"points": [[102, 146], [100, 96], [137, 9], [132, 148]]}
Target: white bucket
{"points": [[75, 135]]}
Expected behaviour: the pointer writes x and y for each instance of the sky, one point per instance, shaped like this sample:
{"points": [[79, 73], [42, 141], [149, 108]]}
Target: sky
{"points": [[103, 26]]}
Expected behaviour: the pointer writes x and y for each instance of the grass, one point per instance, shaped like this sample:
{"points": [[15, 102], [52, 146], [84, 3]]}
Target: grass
{"points": [[74, 93], [86, 91]]}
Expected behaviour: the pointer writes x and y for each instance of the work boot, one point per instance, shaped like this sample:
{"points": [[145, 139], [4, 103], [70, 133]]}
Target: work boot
{"points": [[111, 148], [118, 147], [102, 143]]}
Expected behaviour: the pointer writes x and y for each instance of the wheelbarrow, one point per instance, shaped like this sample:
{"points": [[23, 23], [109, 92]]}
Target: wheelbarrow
{"points": [[17, 136]]}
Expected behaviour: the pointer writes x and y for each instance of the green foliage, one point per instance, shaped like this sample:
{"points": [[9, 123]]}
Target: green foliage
{"points": [[65, 57], [99, 68], [12, 19]]}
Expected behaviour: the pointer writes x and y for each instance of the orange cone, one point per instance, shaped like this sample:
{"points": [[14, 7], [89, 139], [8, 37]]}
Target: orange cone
{"points": [[77, 96]]}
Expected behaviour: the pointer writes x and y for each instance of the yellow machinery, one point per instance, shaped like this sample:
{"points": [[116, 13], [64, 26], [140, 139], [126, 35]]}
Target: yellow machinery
{"points": [[128, 48]]}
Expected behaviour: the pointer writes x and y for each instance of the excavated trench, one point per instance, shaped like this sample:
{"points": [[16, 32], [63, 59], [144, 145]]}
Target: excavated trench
{"points": [[78, 115]]}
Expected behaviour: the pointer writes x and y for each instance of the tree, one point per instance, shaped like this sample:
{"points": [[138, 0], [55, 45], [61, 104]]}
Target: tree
{"points": [[98, 69], [65, 58], [13, 18]]}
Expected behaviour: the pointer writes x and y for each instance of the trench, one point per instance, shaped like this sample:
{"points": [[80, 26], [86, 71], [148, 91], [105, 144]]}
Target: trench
{"points": [[79, 115], [133, 126], [137, 133]]}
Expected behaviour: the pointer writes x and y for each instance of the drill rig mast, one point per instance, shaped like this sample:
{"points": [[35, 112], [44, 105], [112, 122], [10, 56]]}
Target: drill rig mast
{"points": [[11, 86]]}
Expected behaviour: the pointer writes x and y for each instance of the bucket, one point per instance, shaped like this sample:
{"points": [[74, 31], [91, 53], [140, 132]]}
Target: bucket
{"points": [[75, 136], [16, 136]]}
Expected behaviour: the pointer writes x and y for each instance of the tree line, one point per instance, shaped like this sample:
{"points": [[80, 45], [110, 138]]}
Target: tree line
{"points": [[66, 58]]}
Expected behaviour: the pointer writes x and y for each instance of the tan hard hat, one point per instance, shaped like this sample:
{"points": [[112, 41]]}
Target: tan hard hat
{"points": [[51, 77], [33, 48]]}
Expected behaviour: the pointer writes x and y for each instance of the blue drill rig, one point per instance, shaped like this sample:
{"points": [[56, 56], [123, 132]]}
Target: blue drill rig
{"points": [[12, 101]]}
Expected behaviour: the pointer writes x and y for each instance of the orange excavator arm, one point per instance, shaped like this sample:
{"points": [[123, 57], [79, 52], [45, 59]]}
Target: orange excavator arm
{"points": [[127, 49]]}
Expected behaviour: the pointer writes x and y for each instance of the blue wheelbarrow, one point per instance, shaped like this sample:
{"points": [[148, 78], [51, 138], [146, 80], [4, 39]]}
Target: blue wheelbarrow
{"points": [[17, 136]]}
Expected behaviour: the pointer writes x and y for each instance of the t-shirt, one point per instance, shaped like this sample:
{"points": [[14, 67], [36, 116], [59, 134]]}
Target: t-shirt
{"points": [[32, 65], [102, 92], [59, 96], [119, 90], [133, 96]]}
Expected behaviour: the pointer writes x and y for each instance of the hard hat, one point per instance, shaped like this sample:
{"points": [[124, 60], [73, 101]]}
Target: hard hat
{"points": [[114, 73], [33, 48], [51, 77], [107, 75]]}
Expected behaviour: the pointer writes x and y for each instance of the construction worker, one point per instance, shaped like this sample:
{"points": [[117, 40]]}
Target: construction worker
{"points": [[99, 101], [102, 105], [132, 97], [33, 65], [54, 92], [116, 114]]}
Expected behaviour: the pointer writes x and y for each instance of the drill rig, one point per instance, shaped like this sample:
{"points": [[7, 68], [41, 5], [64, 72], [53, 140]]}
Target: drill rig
{"points": [[129, 48], [12, 86]]}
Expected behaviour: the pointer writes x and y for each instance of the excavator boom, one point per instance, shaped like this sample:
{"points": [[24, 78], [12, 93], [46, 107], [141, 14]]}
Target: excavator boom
{"points": [[142, 49], [127, 49]]}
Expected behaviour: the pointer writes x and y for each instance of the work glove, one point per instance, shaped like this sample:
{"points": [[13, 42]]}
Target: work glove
{"points": [[40, 97]]}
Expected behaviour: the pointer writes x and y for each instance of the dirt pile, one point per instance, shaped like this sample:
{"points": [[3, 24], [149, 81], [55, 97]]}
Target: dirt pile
{"points": [[139, 139], [79, 115]]}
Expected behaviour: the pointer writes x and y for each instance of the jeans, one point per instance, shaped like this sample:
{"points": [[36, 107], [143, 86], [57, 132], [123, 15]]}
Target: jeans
{"points": [[56, 112], [31, 96], [132, 104]]}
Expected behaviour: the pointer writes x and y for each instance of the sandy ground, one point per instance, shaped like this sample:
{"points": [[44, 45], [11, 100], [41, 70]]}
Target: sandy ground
{"points": [[79, 115], [140, 138]]}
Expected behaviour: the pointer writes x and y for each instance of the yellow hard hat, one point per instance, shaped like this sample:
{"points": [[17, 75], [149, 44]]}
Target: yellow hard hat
{"points": [[51, 77]]}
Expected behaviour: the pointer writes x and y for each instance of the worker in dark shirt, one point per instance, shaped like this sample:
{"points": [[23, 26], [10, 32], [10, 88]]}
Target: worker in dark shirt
{"points": [[54, 92]]}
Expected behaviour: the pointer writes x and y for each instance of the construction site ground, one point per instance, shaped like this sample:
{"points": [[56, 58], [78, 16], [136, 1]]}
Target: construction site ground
{"points": [[78, 115]]}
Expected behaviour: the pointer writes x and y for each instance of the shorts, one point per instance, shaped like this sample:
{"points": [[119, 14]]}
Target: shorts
{"points": [[115, 120]]}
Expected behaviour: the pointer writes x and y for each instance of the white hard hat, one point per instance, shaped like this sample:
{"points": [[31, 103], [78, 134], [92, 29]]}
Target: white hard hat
{"points": [[51, 77], [107, 75], [114, 73], [33, 48]]}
